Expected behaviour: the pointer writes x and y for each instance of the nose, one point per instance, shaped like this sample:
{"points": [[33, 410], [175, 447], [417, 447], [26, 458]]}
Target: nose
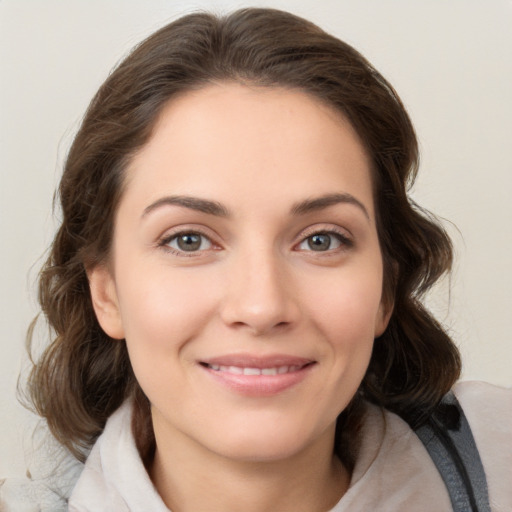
{"points": [[259, 295]]}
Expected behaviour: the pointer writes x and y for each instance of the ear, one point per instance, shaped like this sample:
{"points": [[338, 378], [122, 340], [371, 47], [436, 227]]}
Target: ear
{"points": [[383, 317], [104, 301], [387, 300]]}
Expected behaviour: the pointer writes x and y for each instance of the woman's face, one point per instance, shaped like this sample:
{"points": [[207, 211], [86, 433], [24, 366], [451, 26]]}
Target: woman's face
{"points": [[246, 273]]}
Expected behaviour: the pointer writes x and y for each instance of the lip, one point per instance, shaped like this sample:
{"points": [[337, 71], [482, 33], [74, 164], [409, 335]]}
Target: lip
{"points": [[292, 371]]}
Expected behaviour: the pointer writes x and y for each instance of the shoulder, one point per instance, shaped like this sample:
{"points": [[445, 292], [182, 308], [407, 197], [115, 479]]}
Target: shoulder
{"points": [[114, 477], [482, 391], [95, 489], [488, 409], [51, 474], [393, 470]]}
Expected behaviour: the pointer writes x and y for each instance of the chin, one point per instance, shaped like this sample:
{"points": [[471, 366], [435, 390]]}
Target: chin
{"points": [[266, 443], [262, 452]]}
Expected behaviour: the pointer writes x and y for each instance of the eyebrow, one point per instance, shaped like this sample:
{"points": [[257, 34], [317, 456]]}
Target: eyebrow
{"points": [[217, 209], [319, 203], [192, 203]]}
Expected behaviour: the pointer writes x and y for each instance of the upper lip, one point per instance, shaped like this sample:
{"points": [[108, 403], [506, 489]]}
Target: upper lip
{"points": [[257, 361]]}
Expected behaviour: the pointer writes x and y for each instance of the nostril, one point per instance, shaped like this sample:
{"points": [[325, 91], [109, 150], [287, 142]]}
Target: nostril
{"points": [[260, 313]]}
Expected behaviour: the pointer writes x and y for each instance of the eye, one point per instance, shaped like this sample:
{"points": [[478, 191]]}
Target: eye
{"points": [[188, 242], [324, 241]]}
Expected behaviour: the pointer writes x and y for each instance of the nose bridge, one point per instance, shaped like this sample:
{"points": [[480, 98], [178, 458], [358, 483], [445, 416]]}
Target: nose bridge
{"points": [[258, 294]]}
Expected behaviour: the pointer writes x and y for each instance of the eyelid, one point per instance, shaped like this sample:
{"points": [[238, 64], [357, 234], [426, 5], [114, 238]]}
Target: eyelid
{"points": [[324, 228], [173, 233], [344, 235]]}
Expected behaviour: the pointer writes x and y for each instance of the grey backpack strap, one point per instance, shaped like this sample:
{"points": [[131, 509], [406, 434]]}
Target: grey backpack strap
{"points": [[449, 441]]}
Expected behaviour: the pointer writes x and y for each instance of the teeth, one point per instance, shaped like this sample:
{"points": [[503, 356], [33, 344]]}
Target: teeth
{"points": [[237, 370], [252, 371]]}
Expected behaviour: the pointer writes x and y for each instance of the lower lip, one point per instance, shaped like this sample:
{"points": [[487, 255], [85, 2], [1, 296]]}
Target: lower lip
{"points": [[259, 385]]}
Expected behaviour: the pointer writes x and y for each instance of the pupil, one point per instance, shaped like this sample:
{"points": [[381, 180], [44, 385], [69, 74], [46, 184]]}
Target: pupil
{"points": [[319, 242], [189, 242]]}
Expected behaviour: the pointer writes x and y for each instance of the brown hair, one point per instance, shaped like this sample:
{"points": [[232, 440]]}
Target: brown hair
{"points": [[83, 375]]}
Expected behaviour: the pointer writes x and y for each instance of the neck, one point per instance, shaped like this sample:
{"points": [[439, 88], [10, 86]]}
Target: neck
{"points": [[187, 480]]}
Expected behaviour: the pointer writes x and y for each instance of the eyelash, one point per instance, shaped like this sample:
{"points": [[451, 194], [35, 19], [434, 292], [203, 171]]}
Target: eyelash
{"points": [[164, 242], [341, 237], [344, 240]]}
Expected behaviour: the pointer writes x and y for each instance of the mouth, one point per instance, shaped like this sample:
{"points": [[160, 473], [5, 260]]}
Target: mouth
{"points": [[241, 370], [258, 376]]}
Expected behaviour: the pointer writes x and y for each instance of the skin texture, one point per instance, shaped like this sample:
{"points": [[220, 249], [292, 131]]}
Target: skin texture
{"points": [[253, 285]]}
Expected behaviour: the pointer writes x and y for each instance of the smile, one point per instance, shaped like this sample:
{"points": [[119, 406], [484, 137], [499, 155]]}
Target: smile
{"points": [[255, 376], [238, 370]]}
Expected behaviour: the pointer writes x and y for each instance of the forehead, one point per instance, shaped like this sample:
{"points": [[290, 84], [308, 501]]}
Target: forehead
{"points": [[227, 139]]}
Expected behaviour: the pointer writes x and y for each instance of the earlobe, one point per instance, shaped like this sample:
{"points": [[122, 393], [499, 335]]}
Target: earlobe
{"points": [[104, 301], [383, 317]]}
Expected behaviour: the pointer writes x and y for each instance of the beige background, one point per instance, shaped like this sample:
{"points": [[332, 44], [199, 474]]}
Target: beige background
{"points": [[450, 60]]}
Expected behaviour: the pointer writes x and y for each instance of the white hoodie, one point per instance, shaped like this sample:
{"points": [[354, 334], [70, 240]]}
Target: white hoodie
{"points": [[393, 470]]}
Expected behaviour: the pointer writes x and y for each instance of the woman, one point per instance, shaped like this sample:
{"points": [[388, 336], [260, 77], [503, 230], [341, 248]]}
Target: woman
{"points": [[235, 287]]}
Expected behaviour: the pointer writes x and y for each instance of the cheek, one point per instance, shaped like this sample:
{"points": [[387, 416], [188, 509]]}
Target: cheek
{"points": [[160, 312], [349, 303], [347, 313]]}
